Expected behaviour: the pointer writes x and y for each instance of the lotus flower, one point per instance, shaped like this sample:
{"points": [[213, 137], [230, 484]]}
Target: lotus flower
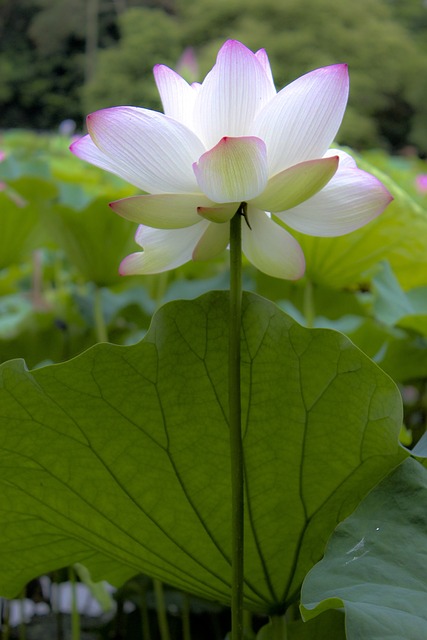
{"points": [[231, 140], [421, 183]]}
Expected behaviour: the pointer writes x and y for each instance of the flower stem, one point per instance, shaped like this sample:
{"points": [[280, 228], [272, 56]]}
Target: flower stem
{"points": [[162, 618], [98, 312], [236, 445]]}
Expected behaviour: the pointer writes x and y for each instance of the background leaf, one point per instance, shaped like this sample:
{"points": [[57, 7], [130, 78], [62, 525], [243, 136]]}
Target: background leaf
{"points": [[94, 239], [375, 564], [20, 206], [119, 458], [393, 306], [399, 235]]}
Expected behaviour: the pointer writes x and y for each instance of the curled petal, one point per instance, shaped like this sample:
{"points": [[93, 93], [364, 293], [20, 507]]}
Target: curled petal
{"points": [[235, 170], [163, 249], [301, 121], [219, 213], [262, 57], [163, 211], [292, 186], [271, 248], [214, 240], [350, 200], [148, 149], [177, 95], [231, 95], [345, 159]]}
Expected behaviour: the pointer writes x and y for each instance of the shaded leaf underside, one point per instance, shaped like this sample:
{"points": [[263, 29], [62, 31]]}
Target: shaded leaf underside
{"points": [[119, 458]]}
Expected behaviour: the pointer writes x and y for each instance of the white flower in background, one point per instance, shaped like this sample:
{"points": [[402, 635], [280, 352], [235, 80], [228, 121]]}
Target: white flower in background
{"points": [[230, 140]]}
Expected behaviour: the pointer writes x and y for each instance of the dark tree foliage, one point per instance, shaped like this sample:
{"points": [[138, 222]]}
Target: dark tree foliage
{"points": [[62, 58]]}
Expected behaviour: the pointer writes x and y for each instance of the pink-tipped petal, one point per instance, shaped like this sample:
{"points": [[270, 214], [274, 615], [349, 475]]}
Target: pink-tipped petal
{"points": [[85, 149], [231, 95], [349, 201], [177, 95], [235, 170], [163, 249], [271, 248], [302, 120], [214, 240], [292, 186], [164, 211], [148, 149]]}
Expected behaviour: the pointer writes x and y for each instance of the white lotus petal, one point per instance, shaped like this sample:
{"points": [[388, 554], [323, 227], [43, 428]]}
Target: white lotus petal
{"points": [[345, 159], [292, 186], [235, 170], [350, 200], [85, 149], [262, 57], [214, 240], [164, 211], [148, 149], [301, 121], [163, 249], [271, 248], [231, 95], [177, 95]]}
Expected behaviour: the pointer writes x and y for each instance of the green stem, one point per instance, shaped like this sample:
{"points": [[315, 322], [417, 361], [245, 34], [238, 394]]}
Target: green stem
{"points": [[247, 625], [236, 445], [162, 281], [161, 610], [22, 627], [279, 631], [186, 632], [309, 311], [145, 617], [5, 615], [100, 326], [75, 616]]}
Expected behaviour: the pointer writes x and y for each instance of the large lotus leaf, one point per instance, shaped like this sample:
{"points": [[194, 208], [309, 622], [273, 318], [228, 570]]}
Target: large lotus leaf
{"points": [[119, 459], [329, 626], [376, 562], [399, 235]]}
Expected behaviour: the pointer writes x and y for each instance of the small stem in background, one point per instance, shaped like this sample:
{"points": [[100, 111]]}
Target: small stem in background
{"points": [[5, 619], [37, 281], [54, 601], [22, 628], [235, 419], [162, 281], [145, 618], [98, 314], [186, 632], [309, 311], [278, 628], [75, 615], [161, 610], [247, 625]]}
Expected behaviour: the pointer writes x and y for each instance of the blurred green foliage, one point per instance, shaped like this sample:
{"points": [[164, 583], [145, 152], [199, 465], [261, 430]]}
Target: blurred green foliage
{"points": [[63, 58], [61, 245]]}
